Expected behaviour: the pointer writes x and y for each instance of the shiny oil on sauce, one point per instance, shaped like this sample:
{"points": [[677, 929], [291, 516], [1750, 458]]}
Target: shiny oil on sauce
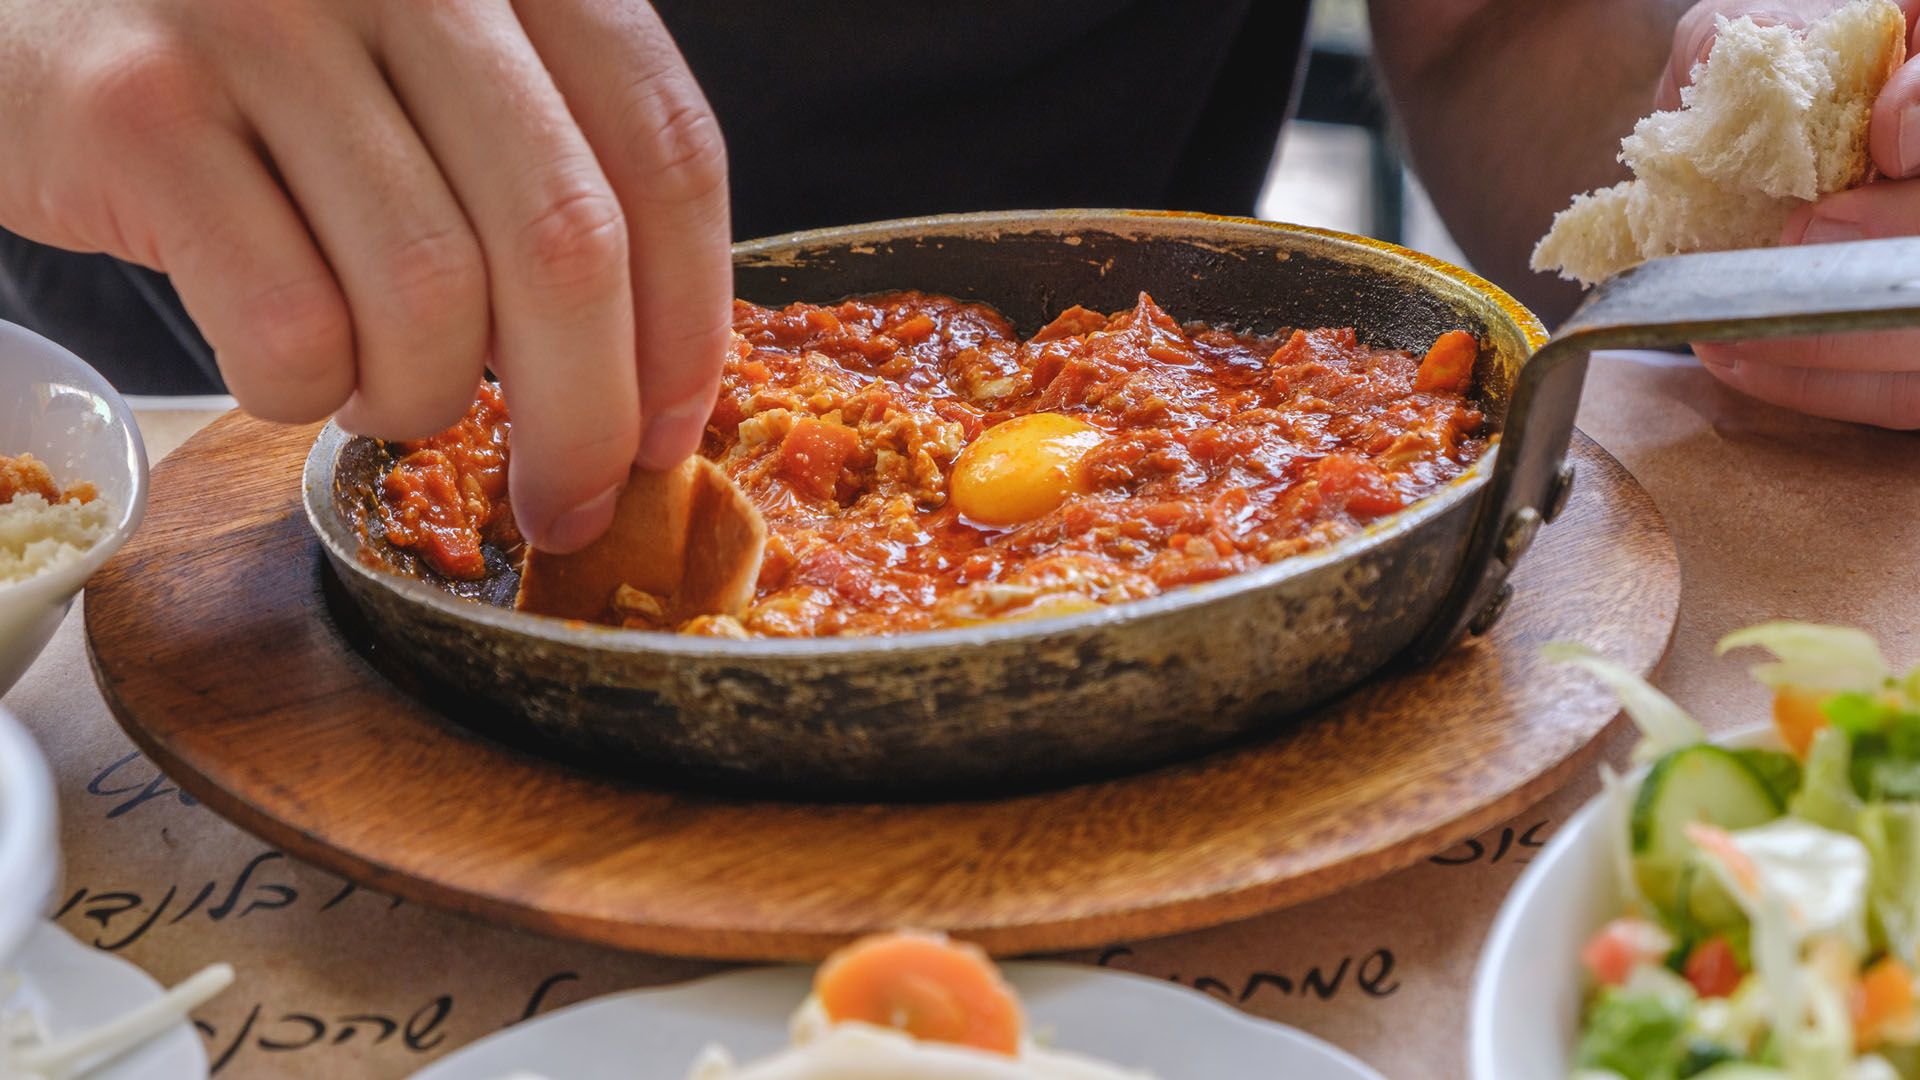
{"points": [[1139, 454]]}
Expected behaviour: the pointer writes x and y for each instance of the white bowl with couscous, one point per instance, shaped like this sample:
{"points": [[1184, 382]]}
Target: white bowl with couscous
{"points": [[82, 440]]}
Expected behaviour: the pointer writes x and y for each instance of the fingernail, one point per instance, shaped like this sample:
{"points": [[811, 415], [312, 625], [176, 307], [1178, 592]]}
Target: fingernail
{"points": [[1825, 230], [674, 434], [1909, 148], [583, 524]]}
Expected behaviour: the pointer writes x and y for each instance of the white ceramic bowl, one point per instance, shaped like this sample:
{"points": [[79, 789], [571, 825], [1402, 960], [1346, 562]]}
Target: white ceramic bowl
{"points": [[29, 836], [55, 407], [1529, 985]]}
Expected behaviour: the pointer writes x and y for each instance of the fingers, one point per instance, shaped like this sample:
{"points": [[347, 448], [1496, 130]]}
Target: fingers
{"points": [[555, 241], [1869, 378], [1895, 132], [189, 196], [1885, 209], [389, 226], [1883, 398], [662, 150]]}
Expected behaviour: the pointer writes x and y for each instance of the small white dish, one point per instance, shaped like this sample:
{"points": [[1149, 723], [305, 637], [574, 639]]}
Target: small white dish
{"points": [[69, 987], [1529, 985], [29, 836], [74, 988], [55, 407], [1129, 1020]]}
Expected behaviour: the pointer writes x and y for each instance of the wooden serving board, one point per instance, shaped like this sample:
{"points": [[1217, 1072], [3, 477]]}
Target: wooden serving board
{"points": [[211, 637]]}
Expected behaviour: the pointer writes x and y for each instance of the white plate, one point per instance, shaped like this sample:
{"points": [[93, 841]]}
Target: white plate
{"points": [[1129, 1020], [1529, 985], [73, 988]]}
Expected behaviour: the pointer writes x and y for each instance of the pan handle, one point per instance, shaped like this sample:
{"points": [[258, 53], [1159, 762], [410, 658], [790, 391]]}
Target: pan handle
{"points": [[1732, 295]]}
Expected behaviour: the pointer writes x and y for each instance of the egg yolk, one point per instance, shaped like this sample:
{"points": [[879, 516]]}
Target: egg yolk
{"points": [[1021, 469]]}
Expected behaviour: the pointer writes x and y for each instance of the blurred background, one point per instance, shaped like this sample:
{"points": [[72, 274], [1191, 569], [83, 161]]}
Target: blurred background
{"points": [[1336, 165]]}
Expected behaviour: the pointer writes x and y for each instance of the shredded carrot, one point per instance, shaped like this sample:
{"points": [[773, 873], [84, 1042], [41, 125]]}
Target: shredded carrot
{"points": [[1717, 842], [926, 985]]}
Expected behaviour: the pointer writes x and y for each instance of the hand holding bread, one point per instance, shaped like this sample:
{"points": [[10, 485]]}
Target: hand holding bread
{"points": [[1782, 122]]}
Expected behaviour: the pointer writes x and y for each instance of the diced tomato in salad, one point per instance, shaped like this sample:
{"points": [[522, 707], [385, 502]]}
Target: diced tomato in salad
{"points": [[1713, 969], [1623, 945]]}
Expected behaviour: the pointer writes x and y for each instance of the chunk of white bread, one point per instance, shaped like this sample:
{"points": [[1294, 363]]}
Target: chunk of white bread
{"points": [[1775, 118]]}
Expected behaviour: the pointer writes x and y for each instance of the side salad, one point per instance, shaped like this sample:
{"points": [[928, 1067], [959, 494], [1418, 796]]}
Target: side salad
{"points": [[1770, 925]]}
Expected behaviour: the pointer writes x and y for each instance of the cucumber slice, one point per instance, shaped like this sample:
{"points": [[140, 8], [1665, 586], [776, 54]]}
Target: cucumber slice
{"points": [[1701, 783], [1692, 900]]}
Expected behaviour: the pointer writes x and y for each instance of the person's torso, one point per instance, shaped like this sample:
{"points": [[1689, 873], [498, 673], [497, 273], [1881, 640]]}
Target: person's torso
{"points": [[857, 110]]}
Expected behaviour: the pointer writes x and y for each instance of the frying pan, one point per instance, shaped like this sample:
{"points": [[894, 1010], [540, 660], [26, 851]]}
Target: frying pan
{"points": [[1022, 702]]}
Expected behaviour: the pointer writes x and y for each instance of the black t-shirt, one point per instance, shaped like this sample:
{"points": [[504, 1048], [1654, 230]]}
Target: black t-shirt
{"points": [[839, 111]]}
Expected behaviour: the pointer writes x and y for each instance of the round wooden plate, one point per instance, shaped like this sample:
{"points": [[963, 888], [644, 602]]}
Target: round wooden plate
{"points": [[211, 638]]}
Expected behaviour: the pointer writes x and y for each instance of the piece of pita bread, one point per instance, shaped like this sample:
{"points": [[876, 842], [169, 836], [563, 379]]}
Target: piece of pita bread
{"points": [[689, 535], [726, 538], [1775, 118]]}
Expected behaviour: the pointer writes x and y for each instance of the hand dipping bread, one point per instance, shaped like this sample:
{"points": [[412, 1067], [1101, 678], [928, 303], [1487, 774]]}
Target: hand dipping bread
{"points": [[1775, 118]]}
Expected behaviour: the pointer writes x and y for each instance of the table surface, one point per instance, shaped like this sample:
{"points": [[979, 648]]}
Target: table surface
{"points": [[1774, 515]]}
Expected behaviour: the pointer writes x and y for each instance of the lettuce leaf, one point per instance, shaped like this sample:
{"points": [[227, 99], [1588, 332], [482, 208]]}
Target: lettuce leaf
{"points": [[1885, 735], [1664, 725], [1797, 882], [1637, 1036], [1891, 833], [1827, 796], [1813, 657]]}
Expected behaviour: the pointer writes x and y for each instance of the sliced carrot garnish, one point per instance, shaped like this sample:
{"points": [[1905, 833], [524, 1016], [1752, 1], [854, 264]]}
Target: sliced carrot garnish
{"points": [[1449, 364], [925, 985]]}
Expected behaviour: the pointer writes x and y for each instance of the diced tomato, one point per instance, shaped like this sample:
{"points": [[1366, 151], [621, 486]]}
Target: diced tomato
{"points": [[1291, 351], [1353, 481], [1229, 508], [1713, 969], [1621, 946], [426, 511], [967, 418], [1448, 366], [814, 452], [1170, 514], [1883, 1004], [1798, 717], [1072, 322], [911, 331]]}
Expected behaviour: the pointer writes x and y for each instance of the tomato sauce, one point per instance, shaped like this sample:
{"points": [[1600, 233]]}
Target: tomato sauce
{"points": [[446, 497], [1212, 451]]}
